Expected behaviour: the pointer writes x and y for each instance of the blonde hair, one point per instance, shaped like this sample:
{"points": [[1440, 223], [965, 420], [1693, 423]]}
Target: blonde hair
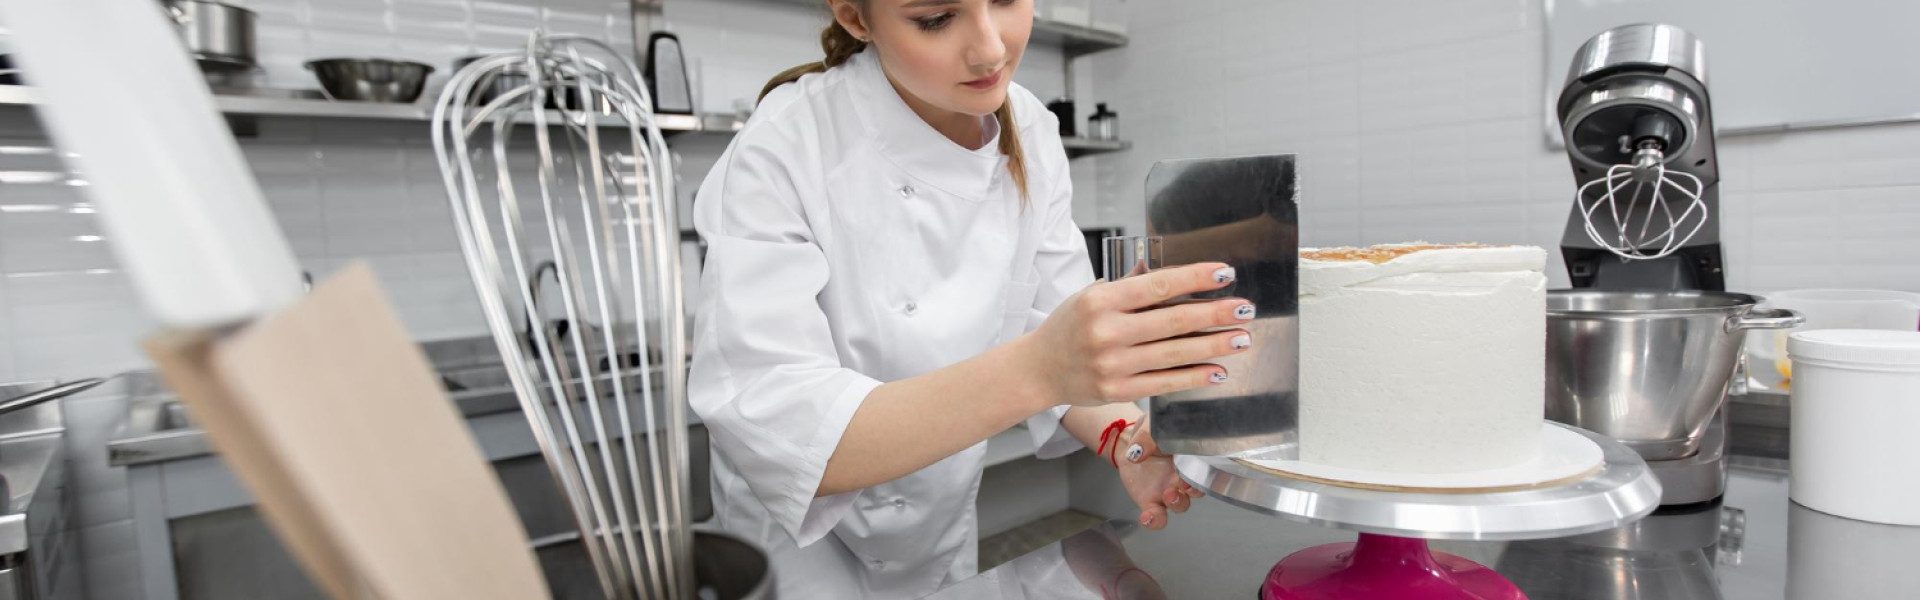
{"points": [[840, 46]]}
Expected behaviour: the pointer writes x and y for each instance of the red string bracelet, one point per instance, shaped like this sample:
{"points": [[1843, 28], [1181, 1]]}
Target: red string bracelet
{"points": [[1113, 430]]}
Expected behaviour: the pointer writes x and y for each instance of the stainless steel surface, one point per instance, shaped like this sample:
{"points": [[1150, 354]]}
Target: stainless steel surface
{"points": [[1638, 124], [371, 79], [53, 393], [1647, 368], [219, 35], [1641, 44], [33, 500], [1622, 491], [1216, 550], [616, 256], [1240, 211], [1131, 255]]}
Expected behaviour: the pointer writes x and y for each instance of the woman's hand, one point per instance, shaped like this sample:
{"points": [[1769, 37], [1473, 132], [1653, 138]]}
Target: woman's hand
{"points": [[1114, 342], [1149, 478]]}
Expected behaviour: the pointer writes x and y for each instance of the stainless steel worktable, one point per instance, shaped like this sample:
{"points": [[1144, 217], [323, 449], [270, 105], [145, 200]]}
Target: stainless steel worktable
{"points": [[1738, 548]]}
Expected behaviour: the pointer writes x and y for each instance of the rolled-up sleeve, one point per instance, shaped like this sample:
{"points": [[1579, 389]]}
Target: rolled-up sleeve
{"points": [[765, 376], [1063, 268]]}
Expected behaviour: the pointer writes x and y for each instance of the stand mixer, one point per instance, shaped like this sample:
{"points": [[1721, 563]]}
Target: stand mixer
{"points": [[1639, 134]]}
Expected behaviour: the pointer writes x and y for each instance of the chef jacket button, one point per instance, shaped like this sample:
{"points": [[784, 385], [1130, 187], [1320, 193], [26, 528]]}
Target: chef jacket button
{"points": [[906, 191], [900, 503], [877, 563], [911, 308]]}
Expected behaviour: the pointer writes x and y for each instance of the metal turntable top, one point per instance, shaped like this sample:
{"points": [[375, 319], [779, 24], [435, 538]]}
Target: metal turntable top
{"points": [[1622, 491]]}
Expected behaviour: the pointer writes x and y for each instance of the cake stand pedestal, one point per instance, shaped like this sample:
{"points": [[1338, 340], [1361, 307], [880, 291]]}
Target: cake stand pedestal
{"points": [[1391, 559]]}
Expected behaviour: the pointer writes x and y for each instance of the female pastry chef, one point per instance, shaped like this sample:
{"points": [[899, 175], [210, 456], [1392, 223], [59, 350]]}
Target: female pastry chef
{"points": [[893, 276]]}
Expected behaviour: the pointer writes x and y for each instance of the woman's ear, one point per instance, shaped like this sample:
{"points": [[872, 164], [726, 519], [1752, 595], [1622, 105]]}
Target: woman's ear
{"points": [[847, 13]]}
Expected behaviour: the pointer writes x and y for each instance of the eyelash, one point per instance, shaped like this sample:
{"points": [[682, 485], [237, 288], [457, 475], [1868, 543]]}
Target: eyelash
{"points": [[939, 21]]}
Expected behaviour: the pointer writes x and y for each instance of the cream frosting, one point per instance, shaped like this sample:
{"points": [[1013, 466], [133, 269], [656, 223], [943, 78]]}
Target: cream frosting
{"points": [[1430, 361]]}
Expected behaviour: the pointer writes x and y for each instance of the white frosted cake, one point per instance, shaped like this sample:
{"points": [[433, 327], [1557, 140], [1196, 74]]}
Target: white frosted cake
{"points": [[1422, 358]]}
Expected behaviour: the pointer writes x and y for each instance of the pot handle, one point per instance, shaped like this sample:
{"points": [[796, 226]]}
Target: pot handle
{"points": [[1765, 318]]}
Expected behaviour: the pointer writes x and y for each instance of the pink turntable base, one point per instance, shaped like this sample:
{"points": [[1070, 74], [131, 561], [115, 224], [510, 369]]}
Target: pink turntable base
{"points": [[1383, 567]]}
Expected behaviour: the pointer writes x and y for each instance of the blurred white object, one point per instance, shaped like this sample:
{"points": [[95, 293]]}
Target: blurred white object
{"points": [[1767, 362], [1853, 409], [184, 214], [600, 213], [1832, 557]]}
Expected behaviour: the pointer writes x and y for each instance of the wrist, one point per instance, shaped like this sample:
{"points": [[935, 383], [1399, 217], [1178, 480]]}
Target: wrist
{"points": [[1033, 389]]}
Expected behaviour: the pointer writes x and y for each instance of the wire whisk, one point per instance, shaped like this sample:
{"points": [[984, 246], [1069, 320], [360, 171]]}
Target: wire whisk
{"points": [[551, 154], [1642, 223]]}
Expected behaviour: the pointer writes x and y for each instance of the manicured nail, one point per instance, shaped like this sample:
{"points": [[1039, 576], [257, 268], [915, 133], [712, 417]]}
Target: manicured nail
{"points": [[1223, 275], [1217, 377], [1242, 341], [1243, 312], [1133, 453]]}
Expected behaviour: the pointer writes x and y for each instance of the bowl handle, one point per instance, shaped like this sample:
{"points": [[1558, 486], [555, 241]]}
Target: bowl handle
{"points": [[1765, 318]]}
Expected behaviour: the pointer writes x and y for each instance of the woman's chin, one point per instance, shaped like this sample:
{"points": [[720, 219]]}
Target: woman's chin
{"points": [[980, 103]]}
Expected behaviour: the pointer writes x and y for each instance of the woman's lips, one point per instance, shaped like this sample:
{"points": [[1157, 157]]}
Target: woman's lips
{"points": [[984, 82]]}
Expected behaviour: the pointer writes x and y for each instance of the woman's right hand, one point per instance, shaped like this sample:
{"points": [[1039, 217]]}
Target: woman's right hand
{"points": [[1114, 342]]}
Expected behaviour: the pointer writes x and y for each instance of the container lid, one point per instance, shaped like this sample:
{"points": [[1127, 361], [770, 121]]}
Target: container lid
{"points": [[1863, 346]]}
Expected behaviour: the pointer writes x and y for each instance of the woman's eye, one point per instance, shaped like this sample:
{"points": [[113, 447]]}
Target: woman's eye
{"points": [[1006, 2], [935, 22]]}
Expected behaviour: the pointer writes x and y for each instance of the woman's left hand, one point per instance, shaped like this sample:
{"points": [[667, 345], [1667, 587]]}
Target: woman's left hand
{"points": [[1149, 478]]}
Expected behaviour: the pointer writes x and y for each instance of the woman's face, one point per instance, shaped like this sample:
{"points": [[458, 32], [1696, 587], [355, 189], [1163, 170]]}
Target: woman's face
{"points": [[954, 55]]}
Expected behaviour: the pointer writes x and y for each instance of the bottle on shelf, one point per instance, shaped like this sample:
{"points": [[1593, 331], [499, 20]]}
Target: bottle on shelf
{"points": [[1103, 124]]}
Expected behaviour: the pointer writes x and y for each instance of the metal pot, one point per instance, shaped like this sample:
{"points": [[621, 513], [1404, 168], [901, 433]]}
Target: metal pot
{"points": [[1647, 368], [219, 35]]}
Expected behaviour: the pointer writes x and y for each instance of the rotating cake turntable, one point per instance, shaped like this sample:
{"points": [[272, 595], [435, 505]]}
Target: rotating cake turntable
{"points": [[1391, 558]]}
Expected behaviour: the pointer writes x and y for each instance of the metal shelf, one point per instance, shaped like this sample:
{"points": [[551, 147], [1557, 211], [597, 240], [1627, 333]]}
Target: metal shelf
{"points": [[1074, 39], [1079, 146], [303, 108]]}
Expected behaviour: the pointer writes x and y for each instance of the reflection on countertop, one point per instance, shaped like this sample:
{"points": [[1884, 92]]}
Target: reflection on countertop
{"points": [[1752, 544]]}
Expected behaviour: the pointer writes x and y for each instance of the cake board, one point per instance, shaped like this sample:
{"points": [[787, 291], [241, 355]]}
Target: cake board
{"points": [[1391, 558]]}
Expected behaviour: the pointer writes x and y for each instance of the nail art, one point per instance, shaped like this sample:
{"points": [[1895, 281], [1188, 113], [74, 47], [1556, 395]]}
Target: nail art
{"points": [[1217, 377], [1223, 275], [1243, 312], [1242, 341], [1133, 453]]}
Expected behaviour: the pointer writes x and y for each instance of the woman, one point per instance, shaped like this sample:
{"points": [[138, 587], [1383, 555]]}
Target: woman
{"points": [[893, 276]]}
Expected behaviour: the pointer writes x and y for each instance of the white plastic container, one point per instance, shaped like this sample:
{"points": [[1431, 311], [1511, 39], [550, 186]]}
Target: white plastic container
{"points": [[1854, 449]]}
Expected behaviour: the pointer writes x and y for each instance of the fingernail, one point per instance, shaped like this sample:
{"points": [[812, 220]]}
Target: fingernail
{"points": [[1242, 341], [1217, 377], [1223, 275], [1243, 312], [1133, 453], [1146, 519]]}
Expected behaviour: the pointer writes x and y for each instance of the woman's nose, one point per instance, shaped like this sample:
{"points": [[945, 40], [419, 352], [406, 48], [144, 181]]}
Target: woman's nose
{"points": [[986, 51]]}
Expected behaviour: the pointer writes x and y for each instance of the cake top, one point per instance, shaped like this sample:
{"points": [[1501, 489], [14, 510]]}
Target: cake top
{"points": [[1420, 266], [1384, 252]]}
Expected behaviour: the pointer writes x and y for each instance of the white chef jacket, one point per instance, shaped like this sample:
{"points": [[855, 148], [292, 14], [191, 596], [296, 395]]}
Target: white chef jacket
{"points": [[849, 244]]}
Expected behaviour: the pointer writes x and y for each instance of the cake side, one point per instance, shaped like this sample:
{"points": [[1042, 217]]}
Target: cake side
{"points": [[1422, 358]]}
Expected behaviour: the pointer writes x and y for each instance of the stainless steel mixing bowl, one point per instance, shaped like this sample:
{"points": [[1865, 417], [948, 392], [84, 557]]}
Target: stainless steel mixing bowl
{"points": [[371, 79], [1647, 368]]}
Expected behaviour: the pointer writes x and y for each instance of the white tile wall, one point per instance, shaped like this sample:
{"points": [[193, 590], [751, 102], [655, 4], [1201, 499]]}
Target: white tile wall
{"points": [[1420, 119]]}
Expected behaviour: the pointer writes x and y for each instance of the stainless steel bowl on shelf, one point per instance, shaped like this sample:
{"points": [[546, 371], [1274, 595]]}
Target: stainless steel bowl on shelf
{"points": [[371, 79], [1648, 368]]}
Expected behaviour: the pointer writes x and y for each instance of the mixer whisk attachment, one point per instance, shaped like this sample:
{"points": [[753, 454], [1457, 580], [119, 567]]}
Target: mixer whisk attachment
{"points": [[592, 192], [1631, 211]]}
